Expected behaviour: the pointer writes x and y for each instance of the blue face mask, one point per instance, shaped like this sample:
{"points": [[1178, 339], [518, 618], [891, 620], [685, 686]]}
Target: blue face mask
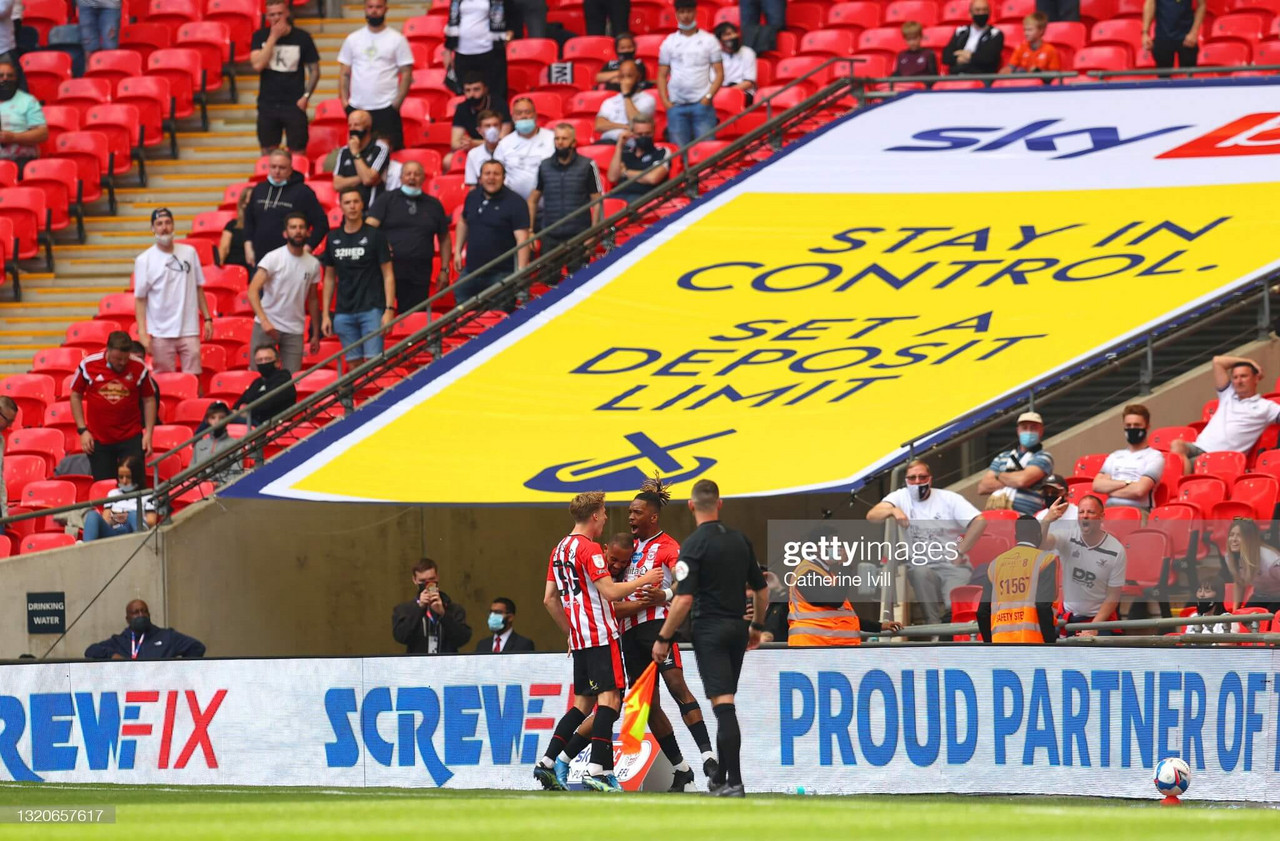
{"points": [[1028, 439], [411, 192], [496, 621], [275, 183], [526, 126]]}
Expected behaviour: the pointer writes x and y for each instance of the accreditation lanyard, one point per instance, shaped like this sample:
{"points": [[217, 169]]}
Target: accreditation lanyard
{"points": [[135, 645]]}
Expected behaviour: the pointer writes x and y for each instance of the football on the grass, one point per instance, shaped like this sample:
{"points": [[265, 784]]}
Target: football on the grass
{"points": [[1172, 776]]}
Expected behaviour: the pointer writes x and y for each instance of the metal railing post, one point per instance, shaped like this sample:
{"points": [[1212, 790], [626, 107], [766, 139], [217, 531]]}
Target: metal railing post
{"points": [[1147, 370], [1264, 311]]}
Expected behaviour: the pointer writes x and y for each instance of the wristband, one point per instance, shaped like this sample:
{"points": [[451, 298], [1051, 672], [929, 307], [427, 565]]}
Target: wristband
{"points": [[81, 430], [669, 593], [756, 626], [665, 640]]}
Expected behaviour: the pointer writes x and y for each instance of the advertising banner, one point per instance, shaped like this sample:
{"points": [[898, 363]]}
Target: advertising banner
{"points": [[1027, 720]]}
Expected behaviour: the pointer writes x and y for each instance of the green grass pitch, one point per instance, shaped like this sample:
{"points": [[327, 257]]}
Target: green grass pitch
{"points": [[195, 814]]}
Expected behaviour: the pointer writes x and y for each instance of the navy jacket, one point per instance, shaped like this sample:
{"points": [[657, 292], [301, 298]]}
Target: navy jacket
{"points": [[157, 644]]}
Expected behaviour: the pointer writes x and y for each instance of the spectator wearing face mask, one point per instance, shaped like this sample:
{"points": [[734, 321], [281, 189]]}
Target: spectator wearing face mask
{"points": [[375, 68], [637, 155], [522, 151], [624, 46], [143, 640], [362, 163], [502, 638], [467, 131], [941, 526], [1129, 476], [475, 41], [975, 47], [168, 300], [270, 377], [283, 192], [617, 112], [1022, 468], [417, 230], [118, 518], [739, 61], [566, 182], [490, 124], [690, 71], [21, 117], [214, 441]]}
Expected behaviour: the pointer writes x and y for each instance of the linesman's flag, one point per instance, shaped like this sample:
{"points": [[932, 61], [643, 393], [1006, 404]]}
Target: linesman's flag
{"points": [[635, 710]]}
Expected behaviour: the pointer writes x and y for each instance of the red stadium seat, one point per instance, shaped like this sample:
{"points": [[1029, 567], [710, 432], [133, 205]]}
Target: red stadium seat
{"points": [[90, 336], [987, 548], [229, 385], [91, 152], [113, 65], [828, 42], [886, 41], [45, 71], [587, 103], [1246, 27], [212, 39], [44, 541], [860, 15], [48, 493], [1147, 552], [166, 437], [329, 112], [32, 392], [1163, 436], [47, 444], [1012, 11], [315, 381], [1259, 491], [1225, 54], [1267, 7], [414, 119], [1102, 58], [802, 17], [59, 119], [151, 96], [117, 307], [123, 127], [1121, 522], [231, 195], [591, 51], [176, 386], [959, 85], [428, 85], [187, 79], [1067, 33], [25, 208], [955, 12], [232, 331], [532, 54], [19, 471], [190, 412], [242, 17], [450, 190], [59, 416], [1092, 11], [83, 94], [173, 13], [1123, 32], [1225, 465], [145, 38], [923, 12], [425, 29], [1202, 491], [57, 362], [1089, 466], [209, 225]]}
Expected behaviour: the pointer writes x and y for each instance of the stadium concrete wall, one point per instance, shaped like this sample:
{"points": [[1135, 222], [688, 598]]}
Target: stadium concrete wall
{"points": [[1010, 720]]}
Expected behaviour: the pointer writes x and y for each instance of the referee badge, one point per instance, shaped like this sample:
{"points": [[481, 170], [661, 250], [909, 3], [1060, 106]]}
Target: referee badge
{"points": [[681, 570], [598, 560]]}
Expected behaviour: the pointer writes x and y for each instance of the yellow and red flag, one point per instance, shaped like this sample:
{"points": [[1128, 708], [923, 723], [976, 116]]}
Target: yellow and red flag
{"points": [[635, 710]]}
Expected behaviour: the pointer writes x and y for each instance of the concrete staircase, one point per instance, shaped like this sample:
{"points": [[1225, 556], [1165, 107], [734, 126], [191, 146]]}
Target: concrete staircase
{"points": [[207, 162]]}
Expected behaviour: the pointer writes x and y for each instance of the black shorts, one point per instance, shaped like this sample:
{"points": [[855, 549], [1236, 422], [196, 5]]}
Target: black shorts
{"points": [[637, 650], [718, 645], [598, 669], [286, 118]]}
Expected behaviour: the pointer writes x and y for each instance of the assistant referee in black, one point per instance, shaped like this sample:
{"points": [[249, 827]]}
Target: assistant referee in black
{"points": [[716, 564]]}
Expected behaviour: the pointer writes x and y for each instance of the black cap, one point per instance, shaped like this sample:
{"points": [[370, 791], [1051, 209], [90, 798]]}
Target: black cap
{"points": [[217, 406], [160, 211], [686, 4]]}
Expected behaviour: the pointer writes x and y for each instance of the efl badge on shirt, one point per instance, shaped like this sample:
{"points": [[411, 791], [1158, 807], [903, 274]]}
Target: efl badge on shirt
{"points": [[598, 560]]}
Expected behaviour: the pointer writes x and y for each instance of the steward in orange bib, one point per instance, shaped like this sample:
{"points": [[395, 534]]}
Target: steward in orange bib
{"points": [[1017, 598], [820, 610]]}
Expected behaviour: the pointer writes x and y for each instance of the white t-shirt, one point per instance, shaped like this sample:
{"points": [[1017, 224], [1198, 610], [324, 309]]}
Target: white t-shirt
{"points": [[375, 59], [1237, 424], [739, 66], [1087, 572], [942, 518], [521, 156], [474, 35], [614, 109], [290, 280], [128, 506], [1131, 465], [171, 284], [477, 156], [1060, 526], [690, 58]]}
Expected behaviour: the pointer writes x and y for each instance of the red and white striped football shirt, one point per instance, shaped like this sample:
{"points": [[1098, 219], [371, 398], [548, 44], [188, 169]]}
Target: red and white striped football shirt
{"points": [[658, 552], [576, 564]]}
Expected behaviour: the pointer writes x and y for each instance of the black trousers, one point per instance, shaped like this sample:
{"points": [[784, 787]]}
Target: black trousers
{"points": [[105, 458], [492, 65], [616, 12], [276, 118], [1059, 9], [1164, 51]]}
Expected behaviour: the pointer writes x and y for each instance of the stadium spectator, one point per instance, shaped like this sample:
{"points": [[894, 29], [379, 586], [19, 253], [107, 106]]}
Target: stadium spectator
{"points": [[282, 295], [943, 526], [214, 441], [432, 623], [8, 414], [231, 245], [1035, 54], [168, 300], [117, 518], [1019, 591], [617, 112], [775, 618], [1019, 471], [1254, 566], [358, 261], [490, 124], [739, 61], [415, 225], [467, 132], [566, 182], [1053, 489], [495, 219], [503, 638], [142, 640], [271, 375], [1129, 476], [821, 611], [375, 68], [624, 47], [1055, 10], [613, 12], [283, 192], [1209, 602], [527, 18], [362, 163], [475, 40], [915, 60], [690, 72], [99, 23], [762, 38], [975, 47], [522, 151], [21, 118], [288, 67], [634, 153], [1241, 416], [1093, 563], [1177, 31]]}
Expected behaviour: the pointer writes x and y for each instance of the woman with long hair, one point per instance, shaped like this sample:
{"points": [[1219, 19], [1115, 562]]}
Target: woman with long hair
{"points": [[1253, 565], [231, 246]]}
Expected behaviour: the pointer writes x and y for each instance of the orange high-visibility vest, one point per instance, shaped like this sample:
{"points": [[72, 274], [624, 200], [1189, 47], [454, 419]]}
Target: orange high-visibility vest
{"points": [[809, 624], [1015, 577]]}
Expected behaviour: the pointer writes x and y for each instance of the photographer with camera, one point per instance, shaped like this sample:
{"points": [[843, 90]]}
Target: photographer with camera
{"points": [[432, 623]]}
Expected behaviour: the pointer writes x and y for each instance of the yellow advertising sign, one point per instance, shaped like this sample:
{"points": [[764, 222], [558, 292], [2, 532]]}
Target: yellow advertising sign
{"points": [[784, 342]]}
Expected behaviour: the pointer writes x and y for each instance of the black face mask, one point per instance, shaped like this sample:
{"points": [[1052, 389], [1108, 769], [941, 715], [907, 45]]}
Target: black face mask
{"points": [[477, 102], [644, 145], [564, 154], [1135, 436], [8, 88], [140, 623], [981, 20], [731, 46], [375, 21], [266, 369], [359, 133], [628, 56]]}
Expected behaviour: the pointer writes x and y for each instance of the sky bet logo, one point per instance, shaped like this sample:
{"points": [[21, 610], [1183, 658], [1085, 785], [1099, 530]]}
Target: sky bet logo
{"points": [[419, 711], [110, 738], [1254, 134]]}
